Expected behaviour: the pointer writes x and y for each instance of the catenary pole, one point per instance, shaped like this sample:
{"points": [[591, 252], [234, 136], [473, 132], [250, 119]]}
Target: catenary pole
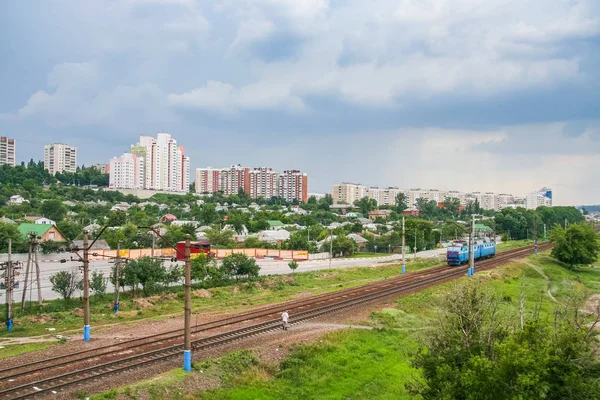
{"points": [[9, 288], [403, 246], [117, 276], [330, 246], [86, 288], [472, 247], [187, 348]]}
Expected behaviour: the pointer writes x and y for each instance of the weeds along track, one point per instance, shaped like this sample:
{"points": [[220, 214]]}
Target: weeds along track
{"points": [[74, 369]]}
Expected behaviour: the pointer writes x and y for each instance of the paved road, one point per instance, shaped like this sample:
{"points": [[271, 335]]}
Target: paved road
{"points": [[268, 267]]}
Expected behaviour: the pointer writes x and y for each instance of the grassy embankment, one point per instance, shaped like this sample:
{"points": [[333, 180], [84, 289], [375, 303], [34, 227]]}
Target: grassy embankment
{"points": [[365, 364], [66, 317]]}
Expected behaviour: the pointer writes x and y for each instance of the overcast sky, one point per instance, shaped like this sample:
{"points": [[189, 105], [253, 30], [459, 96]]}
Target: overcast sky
{"points": [[488, 95]]}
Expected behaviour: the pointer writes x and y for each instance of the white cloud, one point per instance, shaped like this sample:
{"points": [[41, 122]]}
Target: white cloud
{"points": [[223, 97]]}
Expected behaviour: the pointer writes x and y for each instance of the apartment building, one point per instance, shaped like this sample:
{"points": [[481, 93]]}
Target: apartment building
{"points": [[234, 179], [162, 165], [126, 172], [207, 180], [264, 182], [385, 196], [59, 157], [348, 193], [293, 185], [8, 153], [542, 197]]}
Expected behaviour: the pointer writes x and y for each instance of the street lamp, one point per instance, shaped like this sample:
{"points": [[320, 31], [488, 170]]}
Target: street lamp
{"points": [[187, 313]]}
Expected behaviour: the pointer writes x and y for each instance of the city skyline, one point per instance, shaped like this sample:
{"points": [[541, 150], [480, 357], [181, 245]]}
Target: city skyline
{"points": [[215, 182], [488, 96]]}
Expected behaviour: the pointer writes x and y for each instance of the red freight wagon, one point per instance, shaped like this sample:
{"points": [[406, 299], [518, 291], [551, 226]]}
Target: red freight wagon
{"points": [[201, 246]]}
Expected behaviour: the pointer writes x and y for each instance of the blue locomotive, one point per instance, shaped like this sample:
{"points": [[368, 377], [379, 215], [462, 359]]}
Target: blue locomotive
{"points": [[457, 252]]}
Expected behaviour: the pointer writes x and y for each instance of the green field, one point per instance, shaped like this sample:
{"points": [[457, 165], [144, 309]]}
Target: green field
{"points": [[368, 255], [375, 364], [66, 317]]}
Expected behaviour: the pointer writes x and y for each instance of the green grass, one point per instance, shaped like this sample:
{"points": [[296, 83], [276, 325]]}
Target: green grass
{"points": [[375, 364], [14, 349], [67, 317], [368, 255], [513, 244]]}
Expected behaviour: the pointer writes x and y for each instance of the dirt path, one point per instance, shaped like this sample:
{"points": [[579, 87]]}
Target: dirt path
{"points": [[539, 270]]}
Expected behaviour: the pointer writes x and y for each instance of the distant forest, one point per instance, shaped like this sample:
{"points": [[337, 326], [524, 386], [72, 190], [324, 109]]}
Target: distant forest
{"points": [[595, 208]]}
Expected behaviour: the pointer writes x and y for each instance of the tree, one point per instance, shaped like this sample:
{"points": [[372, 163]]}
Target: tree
{"points": [[576, 245], [98, 283], [218, 238], [474, 352], [53, 209], [365, 205], [65, 283], [9, 231], [252, 242], [240, 266], [173, 275], [50, 246], [293, 265], [146, 272], [116, 218], [401, 202], [427, 209]]}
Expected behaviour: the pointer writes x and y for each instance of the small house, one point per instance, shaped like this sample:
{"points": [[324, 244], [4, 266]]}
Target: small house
{"points": [[45, 232]]}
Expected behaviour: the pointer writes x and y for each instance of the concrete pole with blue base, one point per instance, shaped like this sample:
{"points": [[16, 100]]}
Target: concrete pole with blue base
{"points": [[9, 288], [187, 346], [86, 289], [403, 247]]}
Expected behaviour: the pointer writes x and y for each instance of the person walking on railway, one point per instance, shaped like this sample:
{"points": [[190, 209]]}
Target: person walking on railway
{"points": [[284, 320]]}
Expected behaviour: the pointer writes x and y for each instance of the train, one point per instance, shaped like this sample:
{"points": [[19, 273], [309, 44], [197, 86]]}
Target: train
{"points": [[197, 247], [457, 252]]}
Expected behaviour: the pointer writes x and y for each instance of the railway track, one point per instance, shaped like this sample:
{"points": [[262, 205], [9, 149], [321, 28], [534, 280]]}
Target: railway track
{"points": [[32, 380]]}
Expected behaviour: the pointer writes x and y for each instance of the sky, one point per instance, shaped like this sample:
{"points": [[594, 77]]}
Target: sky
{"points": [[471, 95]]}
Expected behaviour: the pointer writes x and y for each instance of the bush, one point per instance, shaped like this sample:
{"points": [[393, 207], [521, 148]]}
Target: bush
{"points": [[65, 283]]}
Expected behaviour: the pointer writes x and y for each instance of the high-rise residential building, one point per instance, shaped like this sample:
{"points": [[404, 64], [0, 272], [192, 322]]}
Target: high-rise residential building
{"points": [[59, 157], [234, 179], [542, 197], [384, 197], [207, 180], [293, 185], [162, 164], [260, 182], [8, 153], [348, 193], [126, 172], [263, 183]]}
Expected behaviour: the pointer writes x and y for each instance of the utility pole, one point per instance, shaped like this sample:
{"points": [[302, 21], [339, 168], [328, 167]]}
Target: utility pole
{"points": [[24, 296], [535, 247], [187, 347], [330, 246], [403, 246], [471, 246], [37, 273], [566, 223], [86, 288], [544, 232], [9, 288], [153, 244], [415, 248], [117, 276], [10, 285]]}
